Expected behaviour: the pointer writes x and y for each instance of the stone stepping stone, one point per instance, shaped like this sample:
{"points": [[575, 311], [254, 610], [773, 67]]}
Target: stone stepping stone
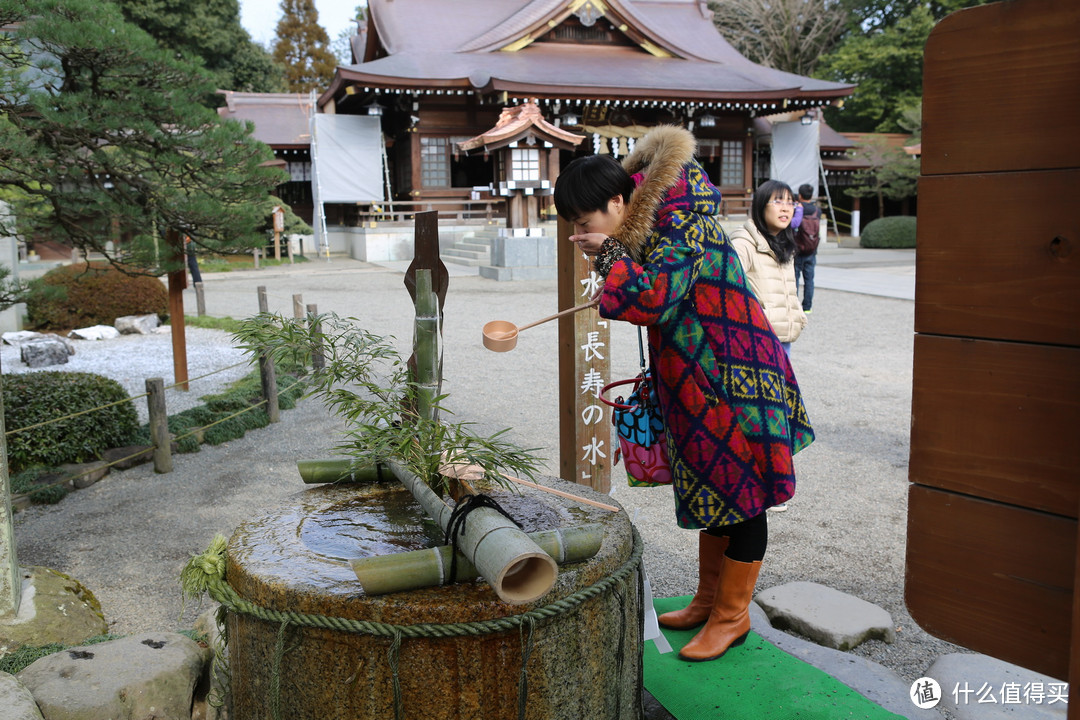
{"points": [[979, 687], [826, 616]]}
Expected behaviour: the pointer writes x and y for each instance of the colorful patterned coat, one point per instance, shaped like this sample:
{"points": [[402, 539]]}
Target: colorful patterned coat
{"points": [[731, 405]]}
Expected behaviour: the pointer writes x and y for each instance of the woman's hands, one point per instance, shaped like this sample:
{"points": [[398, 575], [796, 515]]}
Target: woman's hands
{"points": [[589, 243]]}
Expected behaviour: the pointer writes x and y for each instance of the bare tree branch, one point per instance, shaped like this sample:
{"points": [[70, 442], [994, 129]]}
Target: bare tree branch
{"points": [[789, 35]]}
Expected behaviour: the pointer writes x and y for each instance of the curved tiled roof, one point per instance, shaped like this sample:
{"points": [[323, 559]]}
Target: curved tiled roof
{"points": [[433, 43]]}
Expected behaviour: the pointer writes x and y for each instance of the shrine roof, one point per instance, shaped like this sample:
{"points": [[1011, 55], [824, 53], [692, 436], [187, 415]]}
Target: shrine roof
{"points": [[589, 71], [667, 49], [519, 122]]}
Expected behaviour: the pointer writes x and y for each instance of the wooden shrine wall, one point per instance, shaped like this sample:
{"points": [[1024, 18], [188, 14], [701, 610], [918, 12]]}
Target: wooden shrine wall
{"points": [[995, 467]]}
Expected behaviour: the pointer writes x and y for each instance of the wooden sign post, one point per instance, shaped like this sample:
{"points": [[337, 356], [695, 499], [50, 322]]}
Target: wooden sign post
{"points": [[585, 450]]}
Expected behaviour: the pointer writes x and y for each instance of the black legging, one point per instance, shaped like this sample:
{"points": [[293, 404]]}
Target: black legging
{"points": [[748, 538]]}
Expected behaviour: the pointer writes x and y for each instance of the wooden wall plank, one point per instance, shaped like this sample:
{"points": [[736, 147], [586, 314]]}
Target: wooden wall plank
{"points": [[1001, 89], [994, 578], [1005, 275], [996, 420]]}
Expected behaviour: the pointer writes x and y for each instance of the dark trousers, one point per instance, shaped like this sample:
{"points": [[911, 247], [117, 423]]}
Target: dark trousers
{"points": [[748, 539], [804, 272], [193, 266]]}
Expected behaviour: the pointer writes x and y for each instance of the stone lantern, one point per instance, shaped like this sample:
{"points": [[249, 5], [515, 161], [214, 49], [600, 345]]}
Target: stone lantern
{"points": [[524, 146]]}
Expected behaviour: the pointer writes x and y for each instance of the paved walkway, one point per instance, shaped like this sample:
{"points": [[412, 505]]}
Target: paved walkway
{"points": [[883, 273]]}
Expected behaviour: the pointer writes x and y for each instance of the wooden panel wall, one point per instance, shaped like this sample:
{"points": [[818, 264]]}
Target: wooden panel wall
{"points": [[995, 494], [998, 255], [1000, 89], [992, 577]]}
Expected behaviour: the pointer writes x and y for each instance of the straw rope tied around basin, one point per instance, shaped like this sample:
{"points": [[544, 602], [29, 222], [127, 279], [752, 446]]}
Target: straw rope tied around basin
{"points": [[205, 574]]}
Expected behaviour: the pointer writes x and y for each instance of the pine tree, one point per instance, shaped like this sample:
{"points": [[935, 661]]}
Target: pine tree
{"points": [[209, 30], [103, 134], [302, 46]]}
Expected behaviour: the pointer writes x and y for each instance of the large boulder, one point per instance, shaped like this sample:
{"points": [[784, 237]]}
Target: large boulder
{"points": [[55, 608], [44, 352], [18, 337], [137, 324], [150, 675], [16, 700], [95, 332]]}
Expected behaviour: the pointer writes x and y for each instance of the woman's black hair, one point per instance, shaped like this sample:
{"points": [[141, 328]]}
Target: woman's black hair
{"points": [[587, 183], [783, 243]]}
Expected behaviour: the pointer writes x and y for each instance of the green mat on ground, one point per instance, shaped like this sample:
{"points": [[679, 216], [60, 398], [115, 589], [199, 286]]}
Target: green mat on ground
{"points": [[754, 681]]}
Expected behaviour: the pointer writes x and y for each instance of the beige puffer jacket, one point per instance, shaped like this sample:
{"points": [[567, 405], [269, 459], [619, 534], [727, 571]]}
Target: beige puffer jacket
{"points": [[772, 283]]}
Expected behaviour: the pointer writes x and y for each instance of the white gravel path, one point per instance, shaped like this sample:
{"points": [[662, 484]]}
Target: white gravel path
{"points": [[131, 359]]}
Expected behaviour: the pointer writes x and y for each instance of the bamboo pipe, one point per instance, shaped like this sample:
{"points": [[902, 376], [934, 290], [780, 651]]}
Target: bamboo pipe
{"points": [[384, 574], [515, 567], [332, 470]]}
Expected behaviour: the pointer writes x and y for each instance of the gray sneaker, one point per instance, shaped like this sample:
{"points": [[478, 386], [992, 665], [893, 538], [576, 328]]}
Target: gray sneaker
{"points": [[782, 507]]}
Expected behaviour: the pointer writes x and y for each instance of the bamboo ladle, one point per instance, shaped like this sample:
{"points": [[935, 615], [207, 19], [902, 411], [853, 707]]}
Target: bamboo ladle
{"points": [[501, 336]]}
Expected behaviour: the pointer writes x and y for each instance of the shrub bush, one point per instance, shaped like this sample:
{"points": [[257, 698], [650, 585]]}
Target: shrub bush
{"points": [[35, 397], [889, 232], [93, 295], [244, 393], [35, 483]]}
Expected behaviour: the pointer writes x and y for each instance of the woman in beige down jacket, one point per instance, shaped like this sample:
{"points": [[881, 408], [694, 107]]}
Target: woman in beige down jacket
{"points": [[765, 245]]}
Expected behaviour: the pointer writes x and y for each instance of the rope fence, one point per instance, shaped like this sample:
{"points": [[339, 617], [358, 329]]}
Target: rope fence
{"points": [[161, 438], [120, 402]]}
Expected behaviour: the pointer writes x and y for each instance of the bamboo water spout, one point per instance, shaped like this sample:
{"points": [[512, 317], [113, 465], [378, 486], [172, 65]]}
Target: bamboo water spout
{"points": [[517, 569], [384, 574]]}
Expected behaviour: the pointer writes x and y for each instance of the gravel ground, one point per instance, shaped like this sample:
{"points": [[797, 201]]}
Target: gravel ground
{"points": [[127, 537], [131, 359]]}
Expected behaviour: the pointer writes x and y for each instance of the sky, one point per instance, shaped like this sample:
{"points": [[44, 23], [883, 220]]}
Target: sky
{"points": [[260, 17]]}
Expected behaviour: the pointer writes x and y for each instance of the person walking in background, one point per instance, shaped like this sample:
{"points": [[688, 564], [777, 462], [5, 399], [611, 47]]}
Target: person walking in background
{"points": [[807, 226], [192, 261], [666, 264], [765, 245]]}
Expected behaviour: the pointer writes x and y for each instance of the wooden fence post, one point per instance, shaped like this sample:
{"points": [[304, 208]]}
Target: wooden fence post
{"points": [[200, 299], [318, 361], [10, 577], [298, 306], [177, 284], [159, 425], [267, 374]]}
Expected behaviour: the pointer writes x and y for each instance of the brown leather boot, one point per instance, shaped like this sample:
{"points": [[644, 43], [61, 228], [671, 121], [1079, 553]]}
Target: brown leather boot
{"points": [[710, 557], [729, 622]]}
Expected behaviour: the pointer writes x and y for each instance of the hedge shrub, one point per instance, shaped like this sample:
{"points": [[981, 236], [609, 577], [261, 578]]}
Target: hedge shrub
{"points": [[34, 397], [244, 393], [889, 232], [94, 295]]}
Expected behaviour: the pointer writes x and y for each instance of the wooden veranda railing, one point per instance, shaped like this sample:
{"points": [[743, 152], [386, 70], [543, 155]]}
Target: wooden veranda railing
{"points": [[489, 210]]}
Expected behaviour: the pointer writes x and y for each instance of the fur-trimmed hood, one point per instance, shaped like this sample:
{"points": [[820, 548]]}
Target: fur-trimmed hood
{"points": [[660, 157]]}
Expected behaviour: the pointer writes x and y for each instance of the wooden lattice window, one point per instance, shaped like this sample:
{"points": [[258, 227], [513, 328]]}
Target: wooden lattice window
{"points": [[731, 163], [524, 164], [434, 162]]}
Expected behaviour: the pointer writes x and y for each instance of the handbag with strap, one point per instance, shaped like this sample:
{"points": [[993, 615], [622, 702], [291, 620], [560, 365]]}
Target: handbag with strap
{"points": [[640, 429]]}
